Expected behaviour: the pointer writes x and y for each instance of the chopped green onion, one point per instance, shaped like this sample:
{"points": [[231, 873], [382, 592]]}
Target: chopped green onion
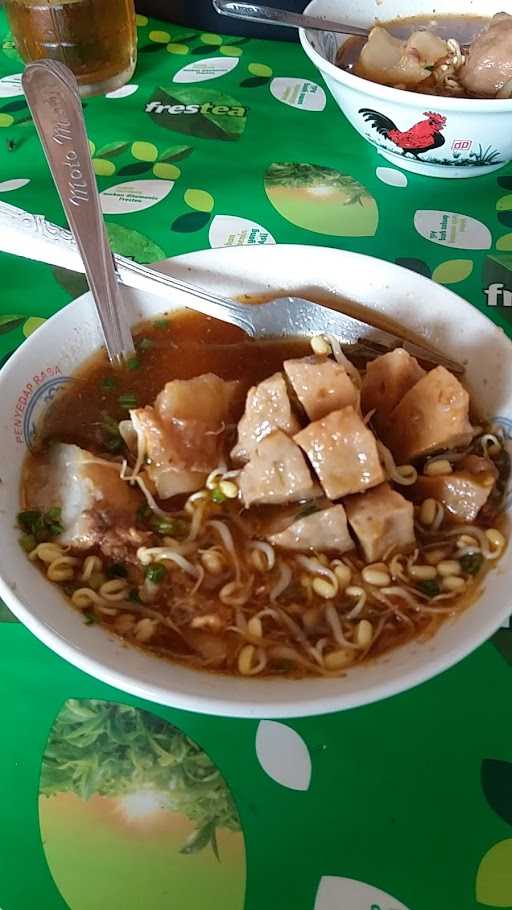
{"points": [[55, 528], [41, 525], [161, 323], [143, 512], [112, 439], [134, 596], [30, 521], [172, 527], [430, 587], [89, 617], [52, 520], [109, 424], [116, 570], [145, 344], [128, 400], [156, 573], [471, 563], [218, 495], [113, 444], [108, 383], [27, 542], [133, 363]]}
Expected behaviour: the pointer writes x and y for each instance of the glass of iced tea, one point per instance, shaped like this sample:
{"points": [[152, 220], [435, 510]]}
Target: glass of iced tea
{"points": [[96, 39]]}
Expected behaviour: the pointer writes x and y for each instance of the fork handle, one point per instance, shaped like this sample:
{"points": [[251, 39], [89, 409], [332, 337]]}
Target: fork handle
{"points": [[32, 236], [52, 94]]}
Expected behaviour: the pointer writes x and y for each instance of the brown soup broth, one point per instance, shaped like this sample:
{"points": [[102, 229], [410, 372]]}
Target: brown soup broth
{"points": [[181, 347]]}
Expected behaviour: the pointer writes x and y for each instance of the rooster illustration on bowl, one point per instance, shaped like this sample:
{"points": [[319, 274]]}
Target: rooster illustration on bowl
{"points": [[420, 138]]}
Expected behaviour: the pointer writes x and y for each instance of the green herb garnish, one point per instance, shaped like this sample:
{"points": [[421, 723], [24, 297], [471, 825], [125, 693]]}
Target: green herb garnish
{"points": [[156, 573], [161, 323], [172, 527], [30, 521], [429, 67], [143, 513], [27, 542], [133, 363], [108, 383], [89, 617], [145, 344], [471, 563], [134, 596], [218, 496], [116, 570], [430, 587], [128, 400], [38, 526], [112, 439]]}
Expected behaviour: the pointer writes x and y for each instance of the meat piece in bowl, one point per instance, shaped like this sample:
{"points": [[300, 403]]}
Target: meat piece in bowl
{"points": [[487, 71]]}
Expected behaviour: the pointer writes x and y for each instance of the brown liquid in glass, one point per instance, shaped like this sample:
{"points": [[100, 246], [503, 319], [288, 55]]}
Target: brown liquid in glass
{"points": [[96, 39]]}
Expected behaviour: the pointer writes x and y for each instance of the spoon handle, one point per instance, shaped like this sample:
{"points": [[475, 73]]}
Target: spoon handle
{"points": [[52, 94], [269, 16]]}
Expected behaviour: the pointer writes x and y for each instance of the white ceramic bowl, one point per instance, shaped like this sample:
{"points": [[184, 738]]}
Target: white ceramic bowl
{"points": [[34, 374], [477, 134]]}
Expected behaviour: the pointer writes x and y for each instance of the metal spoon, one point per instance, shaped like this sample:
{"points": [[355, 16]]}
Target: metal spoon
{"points": [[52, 95], [268, 15]]}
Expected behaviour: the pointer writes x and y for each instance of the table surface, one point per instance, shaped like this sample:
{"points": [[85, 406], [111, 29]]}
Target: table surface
{"points": [[111, 802]]}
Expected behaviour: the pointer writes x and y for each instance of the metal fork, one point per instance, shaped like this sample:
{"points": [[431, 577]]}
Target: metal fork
{"points": [[35, 238], [52, 95]]}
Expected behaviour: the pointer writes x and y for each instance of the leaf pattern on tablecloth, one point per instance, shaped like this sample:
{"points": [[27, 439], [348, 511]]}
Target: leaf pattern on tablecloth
{"points": [[143, 794], [494, 876], [496, 778], [321, 199]]}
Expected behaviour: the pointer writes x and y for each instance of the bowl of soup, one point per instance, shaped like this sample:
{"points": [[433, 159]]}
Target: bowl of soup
{"points": [[260, 528], [430, 89]]}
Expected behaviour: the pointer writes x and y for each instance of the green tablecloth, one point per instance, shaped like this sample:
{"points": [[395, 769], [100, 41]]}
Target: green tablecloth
{"points": [[105, 801]]}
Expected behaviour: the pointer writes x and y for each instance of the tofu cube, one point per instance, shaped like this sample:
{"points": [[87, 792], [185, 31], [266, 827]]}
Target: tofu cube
{"points": [[343, 452], [382, 521], [431, 417], [277, 473], [324, 530], [267, 408], [386, 381], [321, 385]]}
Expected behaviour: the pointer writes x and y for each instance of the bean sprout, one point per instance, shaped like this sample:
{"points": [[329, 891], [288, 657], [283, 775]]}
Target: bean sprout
{"points": [[91, 565], [86, 597], [405, 475], [227, 540], [283, 580], [147, 555], [260, 546], [149, 498], [235, 594], [62, 568], [334, 622], [342, 359], [315, 567], [116, 589], [47, 552]]}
